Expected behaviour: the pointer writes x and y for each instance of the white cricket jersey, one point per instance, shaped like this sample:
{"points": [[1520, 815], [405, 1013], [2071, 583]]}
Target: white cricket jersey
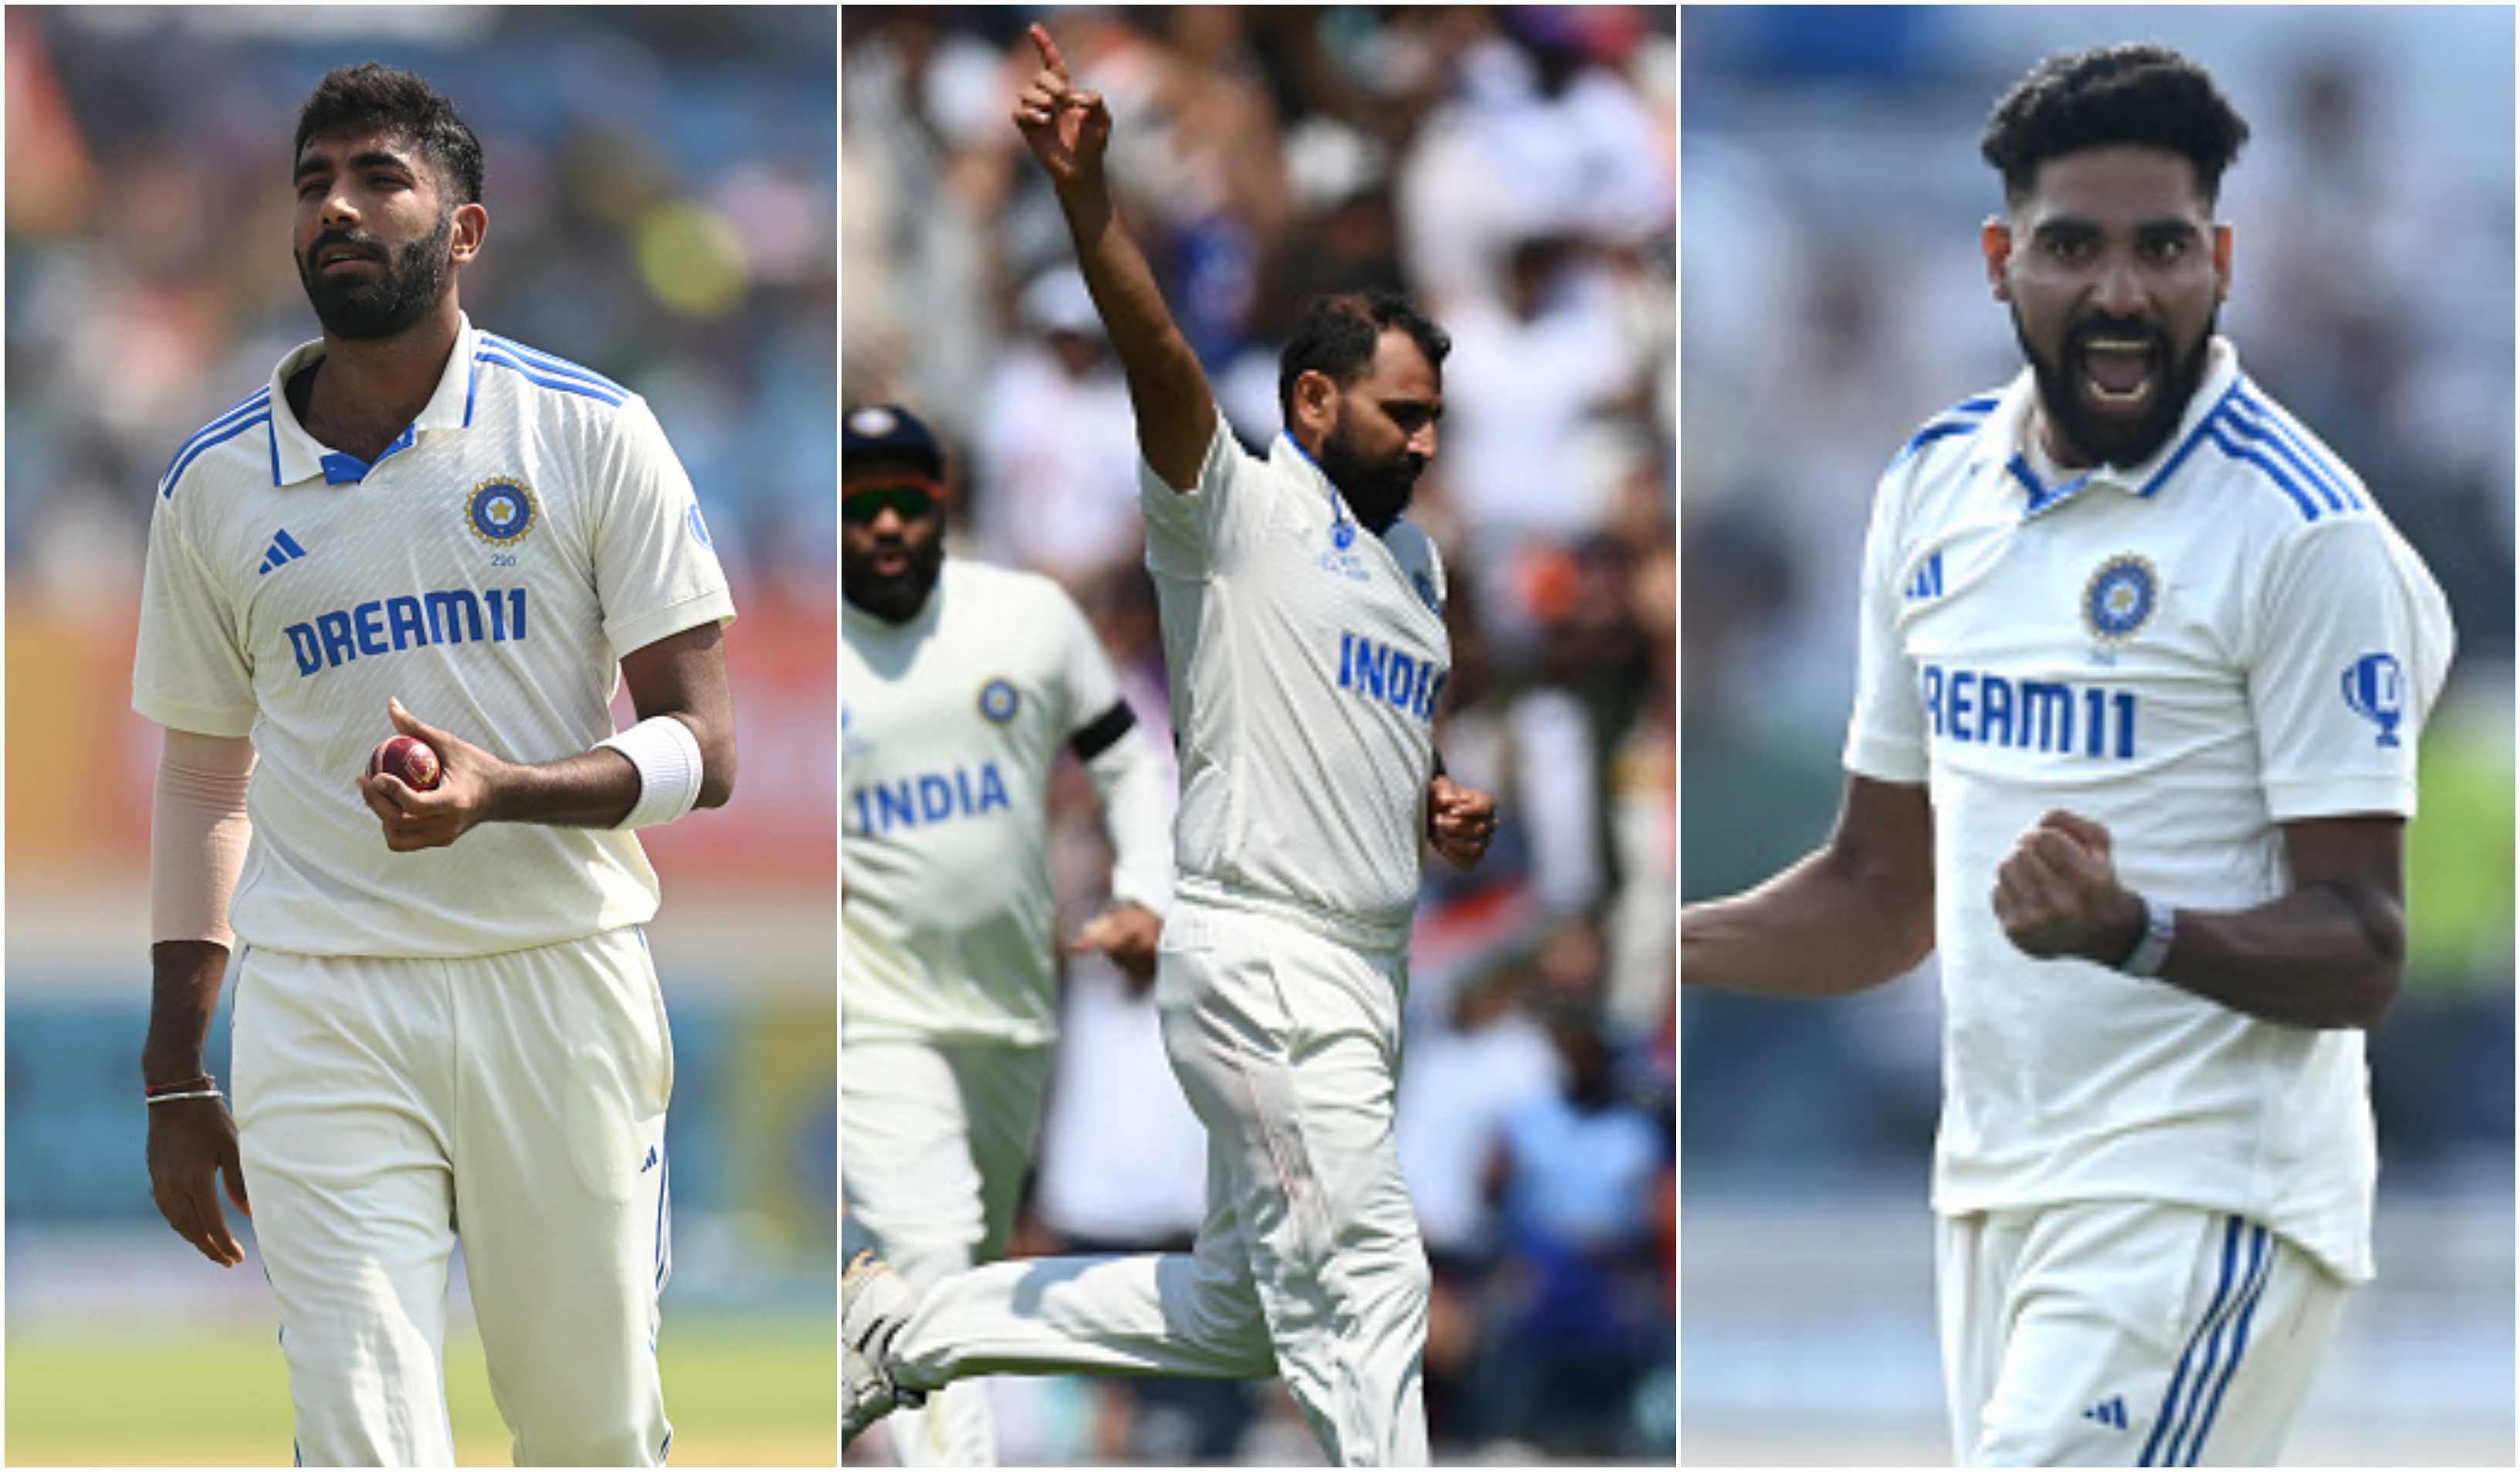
{"points": [[491, 568], [2191, 651], [1307, 656], [949, 726]]}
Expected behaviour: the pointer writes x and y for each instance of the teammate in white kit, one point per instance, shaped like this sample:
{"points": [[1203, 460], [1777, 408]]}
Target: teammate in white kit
{"points": [[446, 1019], [959, 684], [1304, 634], [2134, 744]]}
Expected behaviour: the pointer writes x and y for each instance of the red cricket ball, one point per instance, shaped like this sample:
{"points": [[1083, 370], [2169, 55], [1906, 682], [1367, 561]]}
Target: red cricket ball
{"points": [[409, 758]]}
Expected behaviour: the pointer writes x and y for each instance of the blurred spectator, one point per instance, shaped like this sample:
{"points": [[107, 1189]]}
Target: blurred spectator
{"points": [[1055, 446], [1579, 1174]]}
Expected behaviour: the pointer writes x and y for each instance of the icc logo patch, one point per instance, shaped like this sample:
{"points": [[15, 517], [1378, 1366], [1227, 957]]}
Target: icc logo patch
{"points": [[998, 701], [500, 510], [2120, 598]]}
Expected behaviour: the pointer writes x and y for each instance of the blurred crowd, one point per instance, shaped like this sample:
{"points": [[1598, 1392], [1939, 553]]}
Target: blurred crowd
{"points": [[1834, 299], [660, 190], [1512, 170]]}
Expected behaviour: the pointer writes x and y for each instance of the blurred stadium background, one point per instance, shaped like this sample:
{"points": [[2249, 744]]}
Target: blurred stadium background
{"points": [[662, 190], [1512, 170], [1832, 299]]}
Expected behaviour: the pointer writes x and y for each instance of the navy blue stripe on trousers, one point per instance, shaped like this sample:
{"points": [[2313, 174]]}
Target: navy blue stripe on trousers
{"points": [[2213, 1315], [2262, 1263]]}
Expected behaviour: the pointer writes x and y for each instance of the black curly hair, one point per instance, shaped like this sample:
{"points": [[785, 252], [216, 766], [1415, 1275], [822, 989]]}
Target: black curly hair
{"points": [[1338, 334], [2139, 94], [374, 95]]}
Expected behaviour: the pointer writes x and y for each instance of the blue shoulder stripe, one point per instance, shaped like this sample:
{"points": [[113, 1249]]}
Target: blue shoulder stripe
{"points": [[1944, 425], [2264, 420], [242, 408], [564, 386], [2216, 429], [557, 367], [195, 451]]}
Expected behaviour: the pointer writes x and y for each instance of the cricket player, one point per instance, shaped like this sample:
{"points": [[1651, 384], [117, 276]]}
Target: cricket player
{"points": [[1303, 632], [959, 684], [446, 1020], [2144, 665]]}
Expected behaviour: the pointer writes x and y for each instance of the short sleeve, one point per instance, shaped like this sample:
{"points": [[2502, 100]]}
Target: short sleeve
{"points": [[2350, 643], [1886, 737], [189, 671], [656, 572], [1192, 533], [1085, 675]]}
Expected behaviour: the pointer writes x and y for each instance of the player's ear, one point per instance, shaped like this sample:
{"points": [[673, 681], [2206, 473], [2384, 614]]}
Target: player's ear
{"points": [[1316, 399], [1994, 240], [2222, 263], [471, 229]]}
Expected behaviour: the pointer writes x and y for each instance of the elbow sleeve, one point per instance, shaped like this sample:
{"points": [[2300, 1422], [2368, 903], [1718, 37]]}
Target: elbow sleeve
{"points": [[198, 831]]}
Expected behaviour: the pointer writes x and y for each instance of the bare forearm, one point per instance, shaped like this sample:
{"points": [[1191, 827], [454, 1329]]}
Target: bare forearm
{"points": [[593, 789], [1168, 390], [2320, 957], [185, 977], [1829, 925]]}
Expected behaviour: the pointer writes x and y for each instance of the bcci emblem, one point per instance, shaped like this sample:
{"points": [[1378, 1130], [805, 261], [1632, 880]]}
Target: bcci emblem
{"points": [[501, 510], [998, 701], [2120, 598], [2375, 688]]}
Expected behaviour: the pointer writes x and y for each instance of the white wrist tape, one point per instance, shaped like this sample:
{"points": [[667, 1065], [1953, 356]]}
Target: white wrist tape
{"points": [[669, 758]]}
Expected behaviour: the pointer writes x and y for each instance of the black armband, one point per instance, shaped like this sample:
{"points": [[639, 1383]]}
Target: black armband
{"points": [[1095, 737]]}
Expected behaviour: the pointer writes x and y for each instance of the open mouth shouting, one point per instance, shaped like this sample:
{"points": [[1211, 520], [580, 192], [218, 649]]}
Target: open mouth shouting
{"points": [[2118, 370]]}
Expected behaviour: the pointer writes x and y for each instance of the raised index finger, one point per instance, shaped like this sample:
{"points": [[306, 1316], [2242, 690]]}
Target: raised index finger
{"points": [[1049, 49]]}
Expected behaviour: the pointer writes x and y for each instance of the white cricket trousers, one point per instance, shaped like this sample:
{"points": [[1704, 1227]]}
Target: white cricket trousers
{"points": [[1287, 1044], [934, 1141], [2126, 1334], [384, 1106]]}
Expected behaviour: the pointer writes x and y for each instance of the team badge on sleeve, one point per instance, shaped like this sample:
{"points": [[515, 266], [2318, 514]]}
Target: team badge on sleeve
{"points": [[998, 701], [501, 510], [2375, 688], [2120, 598]]}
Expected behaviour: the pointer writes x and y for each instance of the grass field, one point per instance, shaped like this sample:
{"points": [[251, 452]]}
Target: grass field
{"points": [[740, 1391]]}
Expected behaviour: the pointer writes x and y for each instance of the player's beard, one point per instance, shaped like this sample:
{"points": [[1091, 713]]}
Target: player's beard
{"points": [[402, 289], [2104, 440], [1376, 489], [894, 598]]}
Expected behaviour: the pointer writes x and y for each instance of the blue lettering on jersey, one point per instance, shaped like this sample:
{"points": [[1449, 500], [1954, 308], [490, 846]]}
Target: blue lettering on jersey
{"points": [[930, 797], [390, 625], [1387, 674], [2055, 716]]}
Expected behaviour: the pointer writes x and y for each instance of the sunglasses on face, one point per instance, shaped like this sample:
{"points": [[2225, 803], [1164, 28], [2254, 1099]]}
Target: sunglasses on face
{"points": [[862, 505]]}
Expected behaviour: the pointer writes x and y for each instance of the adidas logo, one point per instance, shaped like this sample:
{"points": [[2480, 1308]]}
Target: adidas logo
{"points": [[1928, 581], [284, 551], [652, 1161], [2109, 1413]]}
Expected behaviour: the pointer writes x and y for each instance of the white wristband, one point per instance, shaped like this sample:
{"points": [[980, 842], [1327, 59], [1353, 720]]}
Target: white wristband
{"points": [[669, 758], [2152, 948]]}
